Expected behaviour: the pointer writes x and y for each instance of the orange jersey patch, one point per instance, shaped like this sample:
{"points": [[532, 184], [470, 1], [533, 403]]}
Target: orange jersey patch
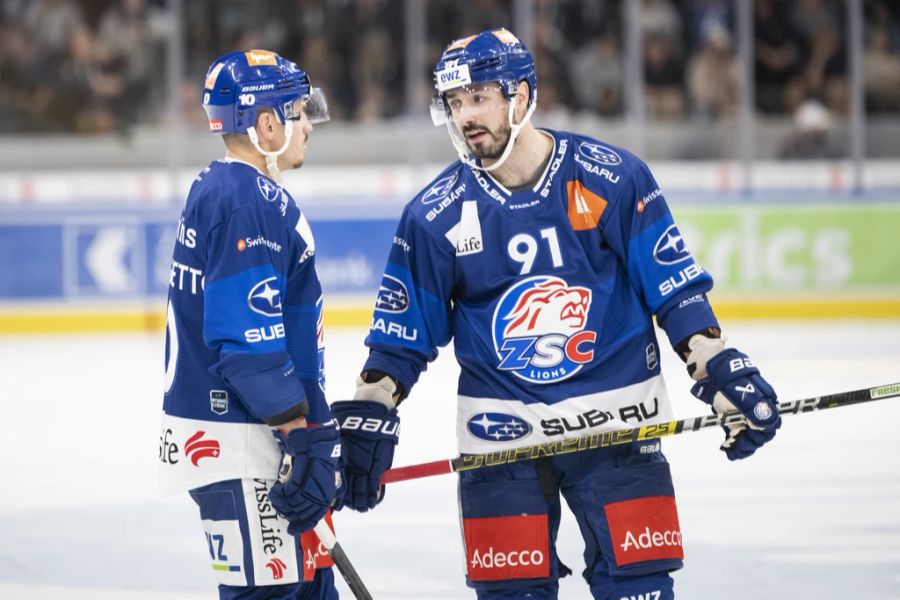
{"points": [[585, 207]]}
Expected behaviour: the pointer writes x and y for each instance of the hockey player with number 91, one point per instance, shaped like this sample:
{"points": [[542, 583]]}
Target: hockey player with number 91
{"points": [[545, 255]]}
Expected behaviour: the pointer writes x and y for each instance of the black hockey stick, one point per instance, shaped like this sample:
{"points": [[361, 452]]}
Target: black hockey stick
{"points": [[625, 436], [354, 581], [330, 543]]}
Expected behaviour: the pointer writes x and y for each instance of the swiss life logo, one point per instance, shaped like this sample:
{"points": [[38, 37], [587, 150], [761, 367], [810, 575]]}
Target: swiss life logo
{"points": [[539, 329], [513, 547], [197, 448], [277, 566]]}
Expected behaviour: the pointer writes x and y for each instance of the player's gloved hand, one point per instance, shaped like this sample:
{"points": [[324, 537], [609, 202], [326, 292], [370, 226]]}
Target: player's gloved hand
{"points": [[733, 383], [370, 431], [310, 475]]}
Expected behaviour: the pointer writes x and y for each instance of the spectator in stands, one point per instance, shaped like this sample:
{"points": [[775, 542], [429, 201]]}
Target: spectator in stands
{"points": [[825, 64], [52, 23], [882, 74], [597, 76], [713, 74], [779, 86], [664, 76], [811, 136]]}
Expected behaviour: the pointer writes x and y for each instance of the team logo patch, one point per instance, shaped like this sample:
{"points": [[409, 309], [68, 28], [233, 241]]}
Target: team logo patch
{"points": [[392, 295], [439, 189], [513, 547], [599, 153], [265, 298], [218, 401], [644, 529], [670, 248], [539, 329], [762, 411], [498, 427], [267, 188], [196, 448]]}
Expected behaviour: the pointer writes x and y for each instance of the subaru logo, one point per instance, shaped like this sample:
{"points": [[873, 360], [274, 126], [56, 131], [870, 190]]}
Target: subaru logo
{"points": [[600, 154], [498, 427], [392, 295], [670, 248], [265, 298], [267, 188], [439, 189]]}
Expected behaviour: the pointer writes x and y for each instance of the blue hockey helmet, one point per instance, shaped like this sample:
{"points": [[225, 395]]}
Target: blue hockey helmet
{"points": [[492, 55], [240, 83]]}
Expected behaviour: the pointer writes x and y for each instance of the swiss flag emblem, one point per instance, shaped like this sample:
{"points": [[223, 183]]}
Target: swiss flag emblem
{"points": [[513, 547], [644, 529]]}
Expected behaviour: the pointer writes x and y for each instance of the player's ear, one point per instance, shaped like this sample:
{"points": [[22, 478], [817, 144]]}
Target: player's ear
{"points": [[265, 122], [522, 93]]}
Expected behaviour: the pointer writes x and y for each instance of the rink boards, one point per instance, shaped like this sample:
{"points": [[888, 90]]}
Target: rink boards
{"points": [[108, 269]]}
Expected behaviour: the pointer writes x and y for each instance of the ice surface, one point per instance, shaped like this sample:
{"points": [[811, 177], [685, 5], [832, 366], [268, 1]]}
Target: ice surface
{"points": [[814, 515]]}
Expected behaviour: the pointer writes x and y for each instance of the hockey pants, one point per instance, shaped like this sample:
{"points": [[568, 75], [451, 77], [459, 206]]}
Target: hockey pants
{"points": [[622, 499], [252, 555]]}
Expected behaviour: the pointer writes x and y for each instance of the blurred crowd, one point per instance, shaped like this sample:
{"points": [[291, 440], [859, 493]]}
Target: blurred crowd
{"points": [[100, 65]]}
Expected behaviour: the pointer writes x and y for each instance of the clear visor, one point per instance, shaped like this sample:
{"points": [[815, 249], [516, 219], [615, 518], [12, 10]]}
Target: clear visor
{"points": [[314, 105], [467, 102]]}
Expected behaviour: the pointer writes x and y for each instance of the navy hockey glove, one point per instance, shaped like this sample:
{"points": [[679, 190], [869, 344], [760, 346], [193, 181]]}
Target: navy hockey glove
{"points": [[310, 476], [733, 383], [370, 432]]}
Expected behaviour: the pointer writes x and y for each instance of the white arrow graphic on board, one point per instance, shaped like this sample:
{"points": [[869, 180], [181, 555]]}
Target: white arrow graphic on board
{"points": [[105, 260]]}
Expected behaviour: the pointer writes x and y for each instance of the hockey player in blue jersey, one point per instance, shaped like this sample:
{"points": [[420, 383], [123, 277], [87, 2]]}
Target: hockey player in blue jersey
{"points": [[545, 256], [244, 387]]}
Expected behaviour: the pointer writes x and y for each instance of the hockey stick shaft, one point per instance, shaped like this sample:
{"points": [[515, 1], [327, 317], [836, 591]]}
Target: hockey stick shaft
{"points": [[330, 543], [626, 436], [354, 581]]}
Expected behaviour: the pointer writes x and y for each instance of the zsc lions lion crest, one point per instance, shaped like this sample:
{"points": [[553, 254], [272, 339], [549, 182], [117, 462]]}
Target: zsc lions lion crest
{"points": [[539, 329]]}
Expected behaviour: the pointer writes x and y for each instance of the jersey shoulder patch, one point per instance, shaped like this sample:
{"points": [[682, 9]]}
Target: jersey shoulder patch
{"points": [[235, 185], [607, 171], [438, 203]]}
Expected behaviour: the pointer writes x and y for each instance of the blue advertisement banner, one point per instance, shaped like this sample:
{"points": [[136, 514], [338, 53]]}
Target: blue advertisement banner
{"points": [[127, 255]]}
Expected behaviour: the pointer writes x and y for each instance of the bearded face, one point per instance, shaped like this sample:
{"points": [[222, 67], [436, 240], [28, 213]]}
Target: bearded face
{"points": [[481, 113]]}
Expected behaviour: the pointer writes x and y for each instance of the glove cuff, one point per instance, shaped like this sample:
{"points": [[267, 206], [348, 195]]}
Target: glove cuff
{"points": [[299, 441], [728, 365], [701, 350], [383, 390]]}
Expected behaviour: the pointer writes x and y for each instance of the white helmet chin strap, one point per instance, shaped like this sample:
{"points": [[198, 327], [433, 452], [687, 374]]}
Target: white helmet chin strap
{"points": [[272, 157], [514, 130]]}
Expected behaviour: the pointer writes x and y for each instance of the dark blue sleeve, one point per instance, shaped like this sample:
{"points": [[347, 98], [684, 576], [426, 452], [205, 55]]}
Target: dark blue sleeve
{"points": [[642, 231], [242, 316], [412, 313]]}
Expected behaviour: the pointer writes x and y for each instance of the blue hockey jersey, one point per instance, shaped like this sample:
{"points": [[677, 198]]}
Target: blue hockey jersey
{"points": [[244, 339], [548, 293]]}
